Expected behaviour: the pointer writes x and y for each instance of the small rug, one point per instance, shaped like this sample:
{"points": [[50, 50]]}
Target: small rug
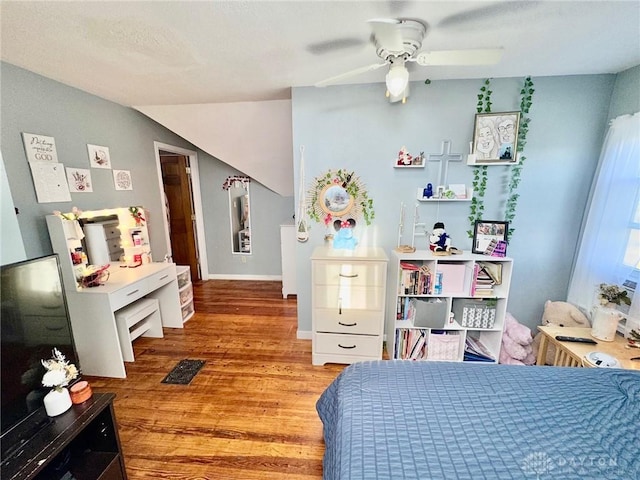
{"points": [[183, 372]]}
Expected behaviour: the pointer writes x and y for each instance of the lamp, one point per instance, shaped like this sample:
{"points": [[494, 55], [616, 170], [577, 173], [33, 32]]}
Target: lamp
{"points": [[397, 78]]}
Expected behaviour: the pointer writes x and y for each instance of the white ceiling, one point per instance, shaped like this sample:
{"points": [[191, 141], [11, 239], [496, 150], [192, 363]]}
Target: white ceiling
{"points": [[183, 52]]}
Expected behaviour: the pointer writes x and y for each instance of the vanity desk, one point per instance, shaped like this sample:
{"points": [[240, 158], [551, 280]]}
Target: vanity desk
{"points": [[93, 310]]}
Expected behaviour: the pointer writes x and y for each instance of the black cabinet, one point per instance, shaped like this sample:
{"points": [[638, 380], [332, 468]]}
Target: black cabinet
{"points": [[80, 444]]}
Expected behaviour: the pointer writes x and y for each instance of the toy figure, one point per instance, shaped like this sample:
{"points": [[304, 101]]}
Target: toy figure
{"points": [[344, 237], [427, 192], [439, 241]]}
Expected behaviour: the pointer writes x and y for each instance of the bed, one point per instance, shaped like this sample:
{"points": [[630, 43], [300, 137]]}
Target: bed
{"points": [[438, 420]]}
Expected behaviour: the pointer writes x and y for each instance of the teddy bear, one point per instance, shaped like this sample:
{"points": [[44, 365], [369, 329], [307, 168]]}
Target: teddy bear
{"points": [[561, 314], [517, 342]]}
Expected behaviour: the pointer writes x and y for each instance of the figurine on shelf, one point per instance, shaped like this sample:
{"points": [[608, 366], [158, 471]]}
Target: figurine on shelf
{"points": [[427, 192], [404, 157], [440, 241]]}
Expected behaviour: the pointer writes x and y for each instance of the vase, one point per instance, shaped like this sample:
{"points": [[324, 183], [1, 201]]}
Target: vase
{"points": [[57, 402], [605, 323]]}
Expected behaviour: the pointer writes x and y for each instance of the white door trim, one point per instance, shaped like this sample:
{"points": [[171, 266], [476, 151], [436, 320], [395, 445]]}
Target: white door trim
{"points": [[197, 201]]}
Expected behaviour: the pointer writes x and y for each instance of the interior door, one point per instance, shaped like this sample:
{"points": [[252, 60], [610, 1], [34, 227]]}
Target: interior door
{"points": [[179, 199]]}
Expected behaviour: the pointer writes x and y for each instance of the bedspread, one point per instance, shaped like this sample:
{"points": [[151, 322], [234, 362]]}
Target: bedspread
{"points": [[438, 420]]}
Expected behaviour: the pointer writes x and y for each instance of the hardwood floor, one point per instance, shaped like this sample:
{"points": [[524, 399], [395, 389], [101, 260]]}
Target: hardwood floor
{"points": [[248, 414]]}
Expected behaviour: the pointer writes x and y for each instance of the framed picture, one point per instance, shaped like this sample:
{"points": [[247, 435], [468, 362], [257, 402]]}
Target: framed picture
{"points": [[495, 137], [488, 235]]}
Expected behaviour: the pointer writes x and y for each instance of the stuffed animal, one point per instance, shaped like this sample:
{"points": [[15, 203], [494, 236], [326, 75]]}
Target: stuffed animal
{"points": [[517, 341], [439, 241], [344, 237], [561, 314]]}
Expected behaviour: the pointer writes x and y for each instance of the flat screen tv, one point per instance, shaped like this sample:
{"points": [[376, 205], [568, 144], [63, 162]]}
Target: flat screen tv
{"points": [[34, 319]]}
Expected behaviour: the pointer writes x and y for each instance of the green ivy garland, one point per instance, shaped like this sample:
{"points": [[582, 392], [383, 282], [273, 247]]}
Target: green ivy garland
{"points": [[480, 172], [363, 205], [526, 100]]}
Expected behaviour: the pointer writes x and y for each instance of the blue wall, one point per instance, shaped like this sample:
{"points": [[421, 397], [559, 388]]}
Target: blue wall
{"points": [[354, 127]]}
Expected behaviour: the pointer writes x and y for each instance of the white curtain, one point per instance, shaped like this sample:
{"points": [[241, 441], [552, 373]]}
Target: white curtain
{"points": [[607, 223]]}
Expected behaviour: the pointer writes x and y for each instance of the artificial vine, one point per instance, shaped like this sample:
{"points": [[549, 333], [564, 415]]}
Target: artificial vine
{"points": [[480, 173], [526, 100], [363, 204]]}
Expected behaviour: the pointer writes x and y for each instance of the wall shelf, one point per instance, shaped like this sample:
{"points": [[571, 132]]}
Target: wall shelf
{"points": [[420, 198]]}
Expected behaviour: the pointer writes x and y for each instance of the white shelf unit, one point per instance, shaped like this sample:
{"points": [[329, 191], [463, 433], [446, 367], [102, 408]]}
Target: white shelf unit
{"points": [[185, 290], [421, 198], [423, 317], [288, 253], [348, 299]]}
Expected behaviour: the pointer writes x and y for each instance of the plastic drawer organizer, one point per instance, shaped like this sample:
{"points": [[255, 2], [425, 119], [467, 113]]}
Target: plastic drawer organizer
{"points": [[186, 291]]}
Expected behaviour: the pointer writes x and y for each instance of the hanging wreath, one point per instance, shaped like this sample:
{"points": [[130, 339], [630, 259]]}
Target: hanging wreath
{"points": [[339, 193]]}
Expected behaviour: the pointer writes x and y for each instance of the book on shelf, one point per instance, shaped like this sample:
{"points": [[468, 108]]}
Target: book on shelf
{"points": [[411, 343], [414, 279], [485, 276], [475, 351]]}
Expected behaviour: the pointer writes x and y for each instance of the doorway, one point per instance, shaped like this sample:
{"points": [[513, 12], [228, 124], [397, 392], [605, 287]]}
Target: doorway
{"points": [[177, 169]]}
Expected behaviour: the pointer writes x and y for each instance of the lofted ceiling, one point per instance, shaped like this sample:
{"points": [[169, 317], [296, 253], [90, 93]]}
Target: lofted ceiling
{"points": [[186, 52], [163, 56]]}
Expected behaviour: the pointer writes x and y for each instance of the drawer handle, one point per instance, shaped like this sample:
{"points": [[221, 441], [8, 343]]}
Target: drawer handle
{"points": [[347, 348], [348, 324], [162, 278], [134, 292], [348, 276]]}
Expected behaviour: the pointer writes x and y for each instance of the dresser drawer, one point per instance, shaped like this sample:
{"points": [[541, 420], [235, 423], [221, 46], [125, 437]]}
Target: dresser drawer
{"points": [[350, 321], [128, 294], [357, 345], [111, 231], [349, 274], [113, 245], [348, 297], [161, 278]]}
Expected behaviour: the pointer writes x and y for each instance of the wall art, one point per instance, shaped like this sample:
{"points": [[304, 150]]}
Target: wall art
{"points": [[39, 148], [122, 180], [99, 156], [79, 180], [495, 137]]}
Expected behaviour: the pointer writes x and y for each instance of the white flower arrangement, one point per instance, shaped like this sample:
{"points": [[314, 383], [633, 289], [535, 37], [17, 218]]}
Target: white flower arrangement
{"points": [[59, 371]]}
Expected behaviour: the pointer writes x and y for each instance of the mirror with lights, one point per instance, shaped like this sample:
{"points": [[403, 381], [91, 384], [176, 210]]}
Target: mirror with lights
{"points": [[240, 216]]}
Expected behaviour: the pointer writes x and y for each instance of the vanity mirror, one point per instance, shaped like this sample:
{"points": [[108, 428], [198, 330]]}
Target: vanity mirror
{"points": [[239, 213]]}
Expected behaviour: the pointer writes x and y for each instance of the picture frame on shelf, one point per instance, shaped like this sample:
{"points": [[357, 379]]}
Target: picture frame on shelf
{"points": [[495, 137], [488, 234]]}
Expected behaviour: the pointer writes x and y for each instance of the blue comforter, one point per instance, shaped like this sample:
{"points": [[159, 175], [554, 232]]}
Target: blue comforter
{"points": [[435, 420]]}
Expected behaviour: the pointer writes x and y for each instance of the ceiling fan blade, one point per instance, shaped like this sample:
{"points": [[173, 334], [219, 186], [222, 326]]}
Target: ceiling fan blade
{"points": [[351, 73], [386, 33], [486, 56]]}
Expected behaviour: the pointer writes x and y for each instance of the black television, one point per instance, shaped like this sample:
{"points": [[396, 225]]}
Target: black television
{"points": [[34, 319]]}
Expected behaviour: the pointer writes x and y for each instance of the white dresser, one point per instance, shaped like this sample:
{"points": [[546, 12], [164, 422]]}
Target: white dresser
{"points": [[348, 304]]}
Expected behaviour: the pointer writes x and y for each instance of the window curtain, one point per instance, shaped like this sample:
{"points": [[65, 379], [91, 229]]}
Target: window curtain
{"points": [[607, 223]]}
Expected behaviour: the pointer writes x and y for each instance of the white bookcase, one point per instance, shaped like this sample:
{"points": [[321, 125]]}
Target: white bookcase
{"points": [[449, 304]]}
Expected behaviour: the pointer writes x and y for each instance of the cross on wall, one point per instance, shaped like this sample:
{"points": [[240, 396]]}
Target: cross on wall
{"points": [[444, 157]]}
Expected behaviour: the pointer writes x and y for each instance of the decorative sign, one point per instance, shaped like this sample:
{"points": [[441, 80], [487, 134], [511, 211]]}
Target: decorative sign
{"points": [[50, 182], [79, 180], [40, 148], [122, 180], [99, 156]]}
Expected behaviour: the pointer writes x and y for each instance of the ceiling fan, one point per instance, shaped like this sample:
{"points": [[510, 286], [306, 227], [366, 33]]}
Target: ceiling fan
{"points": [[397, 42]]}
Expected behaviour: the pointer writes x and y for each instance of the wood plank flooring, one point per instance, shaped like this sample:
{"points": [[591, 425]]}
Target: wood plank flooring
{"points": [[248, 414]]}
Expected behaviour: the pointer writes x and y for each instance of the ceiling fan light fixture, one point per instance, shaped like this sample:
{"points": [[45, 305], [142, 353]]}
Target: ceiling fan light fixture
{"points": [[397, 79]]}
